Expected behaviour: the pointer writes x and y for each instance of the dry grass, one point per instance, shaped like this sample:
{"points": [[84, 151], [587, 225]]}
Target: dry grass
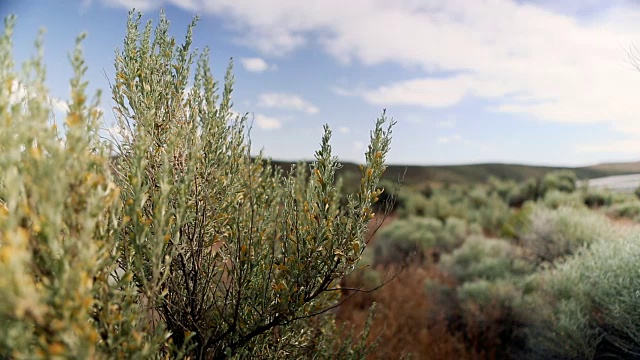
{"points": [[408, 321]]}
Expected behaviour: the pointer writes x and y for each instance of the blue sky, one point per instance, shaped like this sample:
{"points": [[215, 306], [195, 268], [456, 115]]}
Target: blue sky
{"points": [[536, 82]]}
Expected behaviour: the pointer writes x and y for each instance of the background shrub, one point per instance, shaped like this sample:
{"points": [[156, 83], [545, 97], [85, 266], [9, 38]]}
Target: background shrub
{"points": [[553, 233], [555, 199], [589, 303], [595, 198], [629, 209], [561, 180], [419, 236], [484, 258]]}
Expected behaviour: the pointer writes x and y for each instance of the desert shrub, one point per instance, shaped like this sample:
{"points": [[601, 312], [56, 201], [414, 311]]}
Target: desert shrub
{"points": [[525, 191], [555, 199], [59, 226], [618, 197], [406, 237], [493, 318], [491, 215], [477, 198], [502, 188], [591, 303], [440, 206], [627, 209], [426, 190], [412, 204], [517, 222], [475, 229], [553, 233], [183, 243], [454, 232], [419, 236], [560, 180], [483, 258], [595, 198]]}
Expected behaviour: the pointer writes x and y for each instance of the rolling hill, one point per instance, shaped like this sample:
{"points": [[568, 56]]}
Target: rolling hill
{"points": [[413, 175]]}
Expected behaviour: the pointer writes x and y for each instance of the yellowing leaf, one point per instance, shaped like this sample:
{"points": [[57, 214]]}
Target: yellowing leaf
{"points": [[74, 119], [56, 349]]}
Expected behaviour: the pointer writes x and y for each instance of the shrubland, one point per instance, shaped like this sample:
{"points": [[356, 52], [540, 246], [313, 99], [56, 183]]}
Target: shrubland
{"points": [[541, 269]]}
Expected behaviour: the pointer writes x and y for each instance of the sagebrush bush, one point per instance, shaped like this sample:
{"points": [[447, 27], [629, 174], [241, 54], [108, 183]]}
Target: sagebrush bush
{"points": [[555, 199], [589, 303], [560, 180], [484, 258], [550, 233], [595, 198], [526, 191], [629, 209], [492, 215], [502, 188], [411, 203], [180, 244], [419, 236]]}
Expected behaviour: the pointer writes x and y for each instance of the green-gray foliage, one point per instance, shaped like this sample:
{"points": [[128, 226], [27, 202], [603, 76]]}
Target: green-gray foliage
{"points": [[483, 258], [553, 233], [629, 209], [181, 244], [590, 303], [595, 198], [561, 180], [555, 199], [417, 235]]}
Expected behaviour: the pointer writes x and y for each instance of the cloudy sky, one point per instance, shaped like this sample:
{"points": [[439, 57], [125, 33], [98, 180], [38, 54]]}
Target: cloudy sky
{"points": [[537, 82]]}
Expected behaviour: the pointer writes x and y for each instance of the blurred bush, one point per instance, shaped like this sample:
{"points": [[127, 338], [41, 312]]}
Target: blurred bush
{"points": [[422, 237], [481, 258], [561, 180], [555, 199], [554, 233], [588, 305], [629, 209], [595, 198]]}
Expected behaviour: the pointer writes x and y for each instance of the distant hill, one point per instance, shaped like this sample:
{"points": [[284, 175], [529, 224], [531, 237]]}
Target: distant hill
{"points": [[630, 167], [468, 174]]}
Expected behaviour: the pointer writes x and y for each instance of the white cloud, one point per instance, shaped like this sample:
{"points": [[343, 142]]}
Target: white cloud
{"points": [[141, 5], [267, 122], [344, 130], [20, 93], [58, 105], [286, 101], [523, 57], [254, 64]]}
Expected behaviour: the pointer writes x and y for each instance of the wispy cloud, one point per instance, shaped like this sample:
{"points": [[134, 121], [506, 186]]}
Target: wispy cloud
{"points": [[267, 122], [344, 130], [523, 57], [255, 64], [287, 102]]}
